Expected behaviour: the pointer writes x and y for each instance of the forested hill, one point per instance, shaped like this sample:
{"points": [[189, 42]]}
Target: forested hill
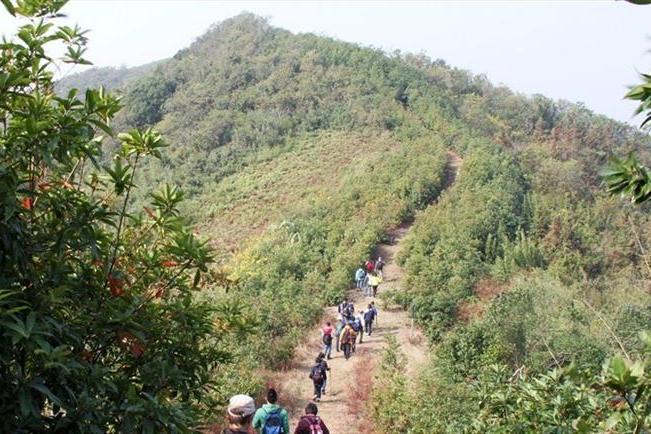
{"points": [[298, 152], [245, 86], [111, 78]]}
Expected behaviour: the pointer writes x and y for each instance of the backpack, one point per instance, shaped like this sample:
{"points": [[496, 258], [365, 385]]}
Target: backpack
{"points": [[346, 337], [317, 373], [273, 423], [369, 315], [315, 425], [327, 339], [357, 326]]}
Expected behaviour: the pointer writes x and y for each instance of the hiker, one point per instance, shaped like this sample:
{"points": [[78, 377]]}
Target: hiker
{"points": [[374, 281], [375, 311], [327, 339], [367, 285], [342, 307], [353, 336], [369, 265], [348, 311], [318, 376], [239, 414], [359, 327], [338, 329], [271, 418], [324, 366], [379, 265], [346, 339], [360, 276], [311, 423], [369, 316]]}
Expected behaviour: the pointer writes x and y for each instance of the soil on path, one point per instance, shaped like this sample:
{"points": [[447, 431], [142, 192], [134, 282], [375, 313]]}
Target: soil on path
{"points": [[350, 381]]}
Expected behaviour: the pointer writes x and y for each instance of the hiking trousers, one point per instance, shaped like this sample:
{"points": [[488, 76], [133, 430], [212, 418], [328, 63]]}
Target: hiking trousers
{"points": [[368, 327], [327, 350], [318, 388], [346, 349]]}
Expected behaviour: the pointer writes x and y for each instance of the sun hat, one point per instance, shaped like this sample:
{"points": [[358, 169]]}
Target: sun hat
{"points": [[241, 405]]}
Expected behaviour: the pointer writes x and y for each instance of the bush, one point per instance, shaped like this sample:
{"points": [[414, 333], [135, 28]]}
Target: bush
{"points": [[100, 330]]}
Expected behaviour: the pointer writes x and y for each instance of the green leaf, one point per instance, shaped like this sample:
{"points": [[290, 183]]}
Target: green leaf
{"points": [[9, 6], [45, 391]]}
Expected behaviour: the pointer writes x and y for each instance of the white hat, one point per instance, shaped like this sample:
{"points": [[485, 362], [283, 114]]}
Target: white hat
{"points": [[241, 405]]}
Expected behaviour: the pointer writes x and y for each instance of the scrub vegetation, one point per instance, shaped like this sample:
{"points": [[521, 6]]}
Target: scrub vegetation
{"points": [[147, 276]]}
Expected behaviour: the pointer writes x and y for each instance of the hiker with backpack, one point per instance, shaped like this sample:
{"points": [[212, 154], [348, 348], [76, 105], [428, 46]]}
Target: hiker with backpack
{"points": [[318, 377], [320, 358], [311, 423], [342, 307], [346, 340], [379, 265], [340, 326], [271, 418], [238, 414], [374, 281], [347, 310], [359, 327], [327, 340], [369, 316], [369, 265], [360, 276]]}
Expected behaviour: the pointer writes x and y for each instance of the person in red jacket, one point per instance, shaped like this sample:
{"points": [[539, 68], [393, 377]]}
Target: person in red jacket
{"points": [[311, 423]]}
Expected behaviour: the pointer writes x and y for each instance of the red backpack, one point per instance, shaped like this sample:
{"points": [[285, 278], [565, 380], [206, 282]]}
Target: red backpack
{"points": [[315, 425]]}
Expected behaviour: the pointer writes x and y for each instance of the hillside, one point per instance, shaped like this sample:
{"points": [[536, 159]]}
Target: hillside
{"points": [[109, 77], [298, 153]]}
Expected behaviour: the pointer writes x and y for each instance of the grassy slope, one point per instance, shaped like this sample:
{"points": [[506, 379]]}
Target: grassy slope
{"points": [[281, 181]]}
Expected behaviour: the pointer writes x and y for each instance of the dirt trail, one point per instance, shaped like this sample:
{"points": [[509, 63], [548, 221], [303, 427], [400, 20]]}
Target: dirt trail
{"points": [[349, 381]]}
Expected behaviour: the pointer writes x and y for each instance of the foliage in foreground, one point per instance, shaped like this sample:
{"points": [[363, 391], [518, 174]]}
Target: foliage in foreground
{"points": [[99, 327], [612, 399]]}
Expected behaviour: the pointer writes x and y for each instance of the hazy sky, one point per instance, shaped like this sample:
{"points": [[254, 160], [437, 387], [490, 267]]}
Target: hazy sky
{"points": [[585, 51]]}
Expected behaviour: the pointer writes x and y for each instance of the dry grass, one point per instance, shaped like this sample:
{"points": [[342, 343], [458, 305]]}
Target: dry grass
{"points": [[360, 389], [487, 289], [416, 338], [469, 311], [243, 205]]}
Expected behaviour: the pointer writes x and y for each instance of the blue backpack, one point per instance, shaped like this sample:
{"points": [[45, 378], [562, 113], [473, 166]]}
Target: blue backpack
{"points": [[273, 423]]}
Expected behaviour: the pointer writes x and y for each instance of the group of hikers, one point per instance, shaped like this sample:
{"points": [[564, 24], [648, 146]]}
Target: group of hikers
{"points": [[350, 325], [344, 337], [271, 418], [369, 276]]}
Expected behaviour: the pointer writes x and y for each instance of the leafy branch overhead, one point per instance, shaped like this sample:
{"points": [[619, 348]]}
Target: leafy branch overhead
{"points": [[628, 177]]}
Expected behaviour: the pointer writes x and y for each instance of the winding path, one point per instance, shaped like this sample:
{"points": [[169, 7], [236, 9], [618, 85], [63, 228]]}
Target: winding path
{"points": [[349, 382]]}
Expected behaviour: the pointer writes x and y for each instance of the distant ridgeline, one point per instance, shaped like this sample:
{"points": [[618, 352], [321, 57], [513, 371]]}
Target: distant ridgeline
{"points": [[297, 152]]}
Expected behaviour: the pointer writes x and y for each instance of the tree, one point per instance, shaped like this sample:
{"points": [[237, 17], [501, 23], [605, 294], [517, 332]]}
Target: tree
{"points": [[99, 327], [628, 177]]}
